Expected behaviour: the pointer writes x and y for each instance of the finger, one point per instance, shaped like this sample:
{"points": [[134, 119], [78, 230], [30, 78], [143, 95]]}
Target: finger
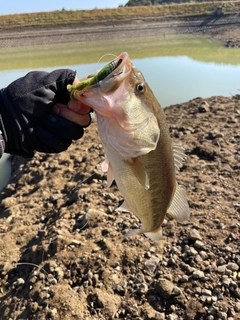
{"points": [[80, 119], [75, 81], [78, 107]]}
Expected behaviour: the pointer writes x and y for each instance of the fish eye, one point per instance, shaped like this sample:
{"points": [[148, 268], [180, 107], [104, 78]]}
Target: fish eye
{"points": [[140, 87]]}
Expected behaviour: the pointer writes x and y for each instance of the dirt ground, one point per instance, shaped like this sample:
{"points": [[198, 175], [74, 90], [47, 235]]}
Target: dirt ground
{"points": [[62, 254]]}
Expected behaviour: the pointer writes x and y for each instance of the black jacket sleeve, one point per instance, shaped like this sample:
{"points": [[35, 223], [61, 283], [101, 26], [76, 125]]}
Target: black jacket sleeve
{"points": [[26, 121]]}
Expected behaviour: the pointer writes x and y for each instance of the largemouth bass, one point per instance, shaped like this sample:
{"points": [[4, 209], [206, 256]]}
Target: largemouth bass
{"points": [[141, 157]]}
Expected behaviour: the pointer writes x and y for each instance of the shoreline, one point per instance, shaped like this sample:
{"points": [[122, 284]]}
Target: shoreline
{"points": [[225, 28]]}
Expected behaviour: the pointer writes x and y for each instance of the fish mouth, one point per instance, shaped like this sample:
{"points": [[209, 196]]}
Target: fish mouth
{"points": [[114, 72]]}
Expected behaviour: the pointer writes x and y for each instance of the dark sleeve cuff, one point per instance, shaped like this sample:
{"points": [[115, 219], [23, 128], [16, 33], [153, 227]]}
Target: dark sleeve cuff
{"points": [[2, 144]]}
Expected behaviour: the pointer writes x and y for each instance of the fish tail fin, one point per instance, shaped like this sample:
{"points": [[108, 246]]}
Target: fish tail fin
{"points": [[154, 235]]}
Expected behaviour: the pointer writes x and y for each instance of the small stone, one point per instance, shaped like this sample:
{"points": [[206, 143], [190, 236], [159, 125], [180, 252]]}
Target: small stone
{"points": [[237, 307], [203, 107], [199, 244], [198, 274], [53, 281], [198, 290], [106, 300], [159, 316], [164, 288], [237, 293], [198, 258], [226, 282], [19, 282], [151, 264], [172, 317], [221, 261], [203, 255], [194, 235], [142, 288], [184, 278], [206, 292], [232, 266], [192, 252], [222, 315], [59, 273], [221, 269], [76, 242], [52, 313]]}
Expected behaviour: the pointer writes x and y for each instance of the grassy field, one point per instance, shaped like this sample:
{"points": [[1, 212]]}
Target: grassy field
{"points": [[78, 16]]}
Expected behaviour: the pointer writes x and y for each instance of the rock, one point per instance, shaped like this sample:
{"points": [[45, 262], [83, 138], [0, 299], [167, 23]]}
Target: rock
{"points": [[206, 292], [198, 274], [226, 282], [194, 235], [103, 299], [237, 306], [164, 288], [203, 107], [199, 244], [172, 317], [151, 264], [142, 288], [222, 315], [221, 269], [232, 266], [19, 282]]}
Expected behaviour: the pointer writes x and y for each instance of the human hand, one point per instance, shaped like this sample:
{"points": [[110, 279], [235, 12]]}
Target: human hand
{"points": [[74, 111], [38, 116]]}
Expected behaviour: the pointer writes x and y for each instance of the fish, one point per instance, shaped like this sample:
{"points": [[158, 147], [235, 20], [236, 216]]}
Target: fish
{"points": [[140, 154]]}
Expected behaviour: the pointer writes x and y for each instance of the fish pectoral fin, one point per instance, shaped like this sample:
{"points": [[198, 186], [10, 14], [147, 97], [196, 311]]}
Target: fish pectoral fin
{"points": [[106, 167], [124, 207], [139, 172], [179, 208], [155, 235]]}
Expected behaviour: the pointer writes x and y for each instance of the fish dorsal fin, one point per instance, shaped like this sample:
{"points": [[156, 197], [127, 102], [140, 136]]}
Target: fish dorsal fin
{"points": [[124, 207], [179, 155], [139, 172], [179, 208], [106, 167]]}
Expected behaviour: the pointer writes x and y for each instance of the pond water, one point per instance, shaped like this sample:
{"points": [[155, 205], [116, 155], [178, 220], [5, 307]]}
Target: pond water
{"points": [[177, 68]]}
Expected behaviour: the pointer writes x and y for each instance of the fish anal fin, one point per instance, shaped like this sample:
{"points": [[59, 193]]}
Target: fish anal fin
{"points": [[124, 207], [105, 165], [132, 232], [139, 171], [155, 235], [110, 176], [179, 208]]}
